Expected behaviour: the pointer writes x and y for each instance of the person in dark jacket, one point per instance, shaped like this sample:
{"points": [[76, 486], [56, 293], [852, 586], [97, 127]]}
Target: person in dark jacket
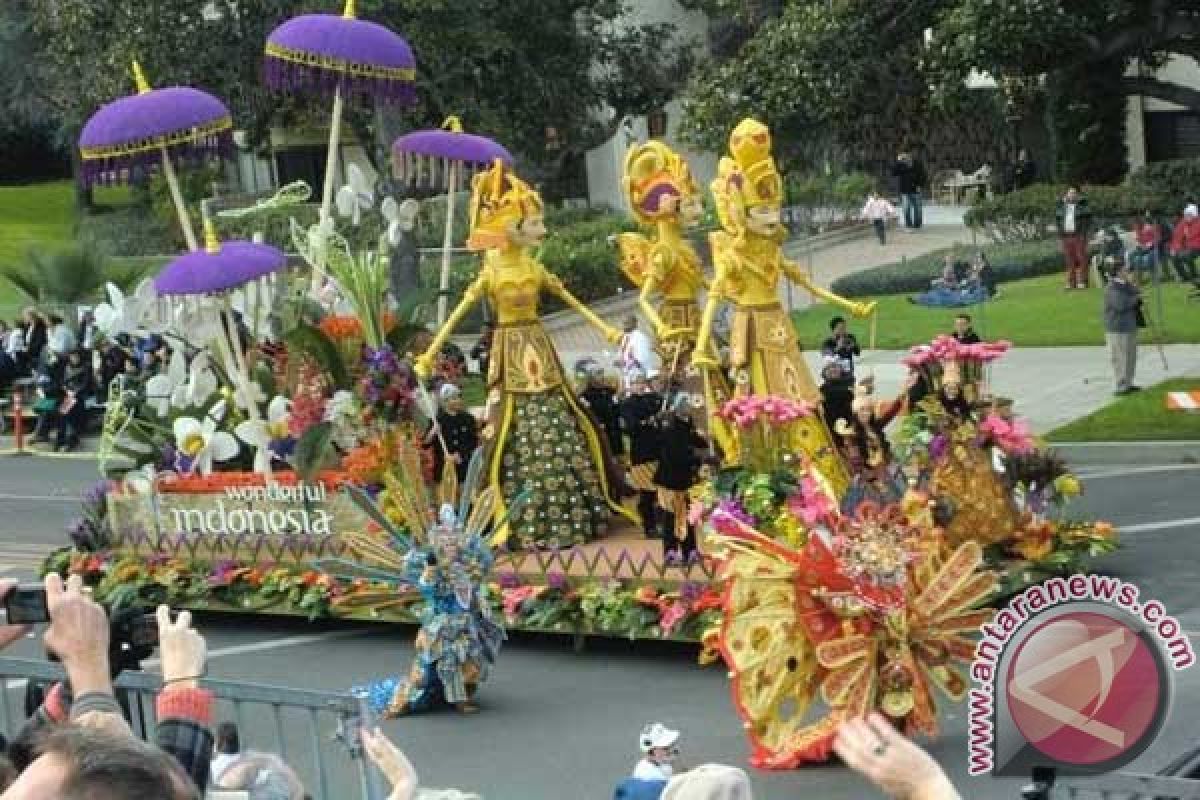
{"points": [[911, 180], [842, 345], [35, 338], [1024, 172], [78, 387], [837, 392], [681, 451], [482, 350], [1122, 313], [639, 411], [1074, 220], [963, 332], [601, 399], [110, 362], [459, 429]]}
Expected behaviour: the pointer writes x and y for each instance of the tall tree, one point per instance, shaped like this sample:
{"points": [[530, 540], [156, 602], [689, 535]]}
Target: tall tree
{"points": [[517, 70]]}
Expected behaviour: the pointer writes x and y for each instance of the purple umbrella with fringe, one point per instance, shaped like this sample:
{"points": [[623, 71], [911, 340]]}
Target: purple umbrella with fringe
{"points": [[152, 127], [339, 55], [436, 158], [218, 269]]}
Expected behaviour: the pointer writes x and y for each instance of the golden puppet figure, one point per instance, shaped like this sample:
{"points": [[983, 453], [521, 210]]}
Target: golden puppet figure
{"points": [[764, 356], [540, 441], [662, 194]]}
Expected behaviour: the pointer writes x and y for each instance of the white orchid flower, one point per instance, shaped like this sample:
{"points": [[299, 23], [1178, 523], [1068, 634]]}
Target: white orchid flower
{"points": [[202, 443], [130, 314], [248, 393], [259, 434], [254, 301], [400, 217], [356, 196], [199, 322], [161, 389]]}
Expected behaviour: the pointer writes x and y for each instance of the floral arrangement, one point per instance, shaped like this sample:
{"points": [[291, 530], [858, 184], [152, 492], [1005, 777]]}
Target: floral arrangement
{"points": [[929, 359], [770, 489]]}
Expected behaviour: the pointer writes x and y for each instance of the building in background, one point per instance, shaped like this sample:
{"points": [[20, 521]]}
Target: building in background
{"points": [[1156, 130]]}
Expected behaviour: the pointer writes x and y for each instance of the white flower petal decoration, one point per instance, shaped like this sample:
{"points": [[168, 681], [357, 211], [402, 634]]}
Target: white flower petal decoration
{"points": [[203, 443], [163, 390]]}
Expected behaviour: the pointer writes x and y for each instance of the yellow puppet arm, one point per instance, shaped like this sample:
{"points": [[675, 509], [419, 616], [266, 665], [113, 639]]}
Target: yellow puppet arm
{"points": [[701, 353], [649, 286], [798, 277], [555, 285], [424, 364]]}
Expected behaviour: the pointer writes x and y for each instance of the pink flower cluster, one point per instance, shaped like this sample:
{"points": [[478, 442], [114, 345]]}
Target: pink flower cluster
{"points": [[810, 503], [946, 348], [1012, 436], [748, 410]]}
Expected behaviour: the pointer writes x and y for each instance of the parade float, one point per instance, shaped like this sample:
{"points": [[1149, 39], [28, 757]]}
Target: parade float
{"points": [[286, 446]]}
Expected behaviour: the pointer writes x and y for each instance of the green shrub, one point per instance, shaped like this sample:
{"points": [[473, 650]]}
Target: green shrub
{"points": [[1175, 183], [128, 231], [821, 200], [1028, 215], [1011, 262]]}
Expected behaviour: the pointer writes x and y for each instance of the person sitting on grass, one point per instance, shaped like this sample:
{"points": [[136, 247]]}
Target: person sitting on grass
{"points": [[951, 291]]}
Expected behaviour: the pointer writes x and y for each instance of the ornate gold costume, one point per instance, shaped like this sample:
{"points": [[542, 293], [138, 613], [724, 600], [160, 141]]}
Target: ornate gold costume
{"points": [[660, 192], [764, 354], [539, 439]]}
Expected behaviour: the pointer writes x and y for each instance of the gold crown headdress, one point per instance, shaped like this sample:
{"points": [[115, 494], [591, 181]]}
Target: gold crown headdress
{"points": [[747, 177], [653, 170], [499, 199]]}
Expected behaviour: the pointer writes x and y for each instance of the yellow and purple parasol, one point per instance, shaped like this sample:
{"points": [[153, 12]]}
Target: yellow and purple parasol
{"points": [[437, 158], [151, 128], [343, 56]]}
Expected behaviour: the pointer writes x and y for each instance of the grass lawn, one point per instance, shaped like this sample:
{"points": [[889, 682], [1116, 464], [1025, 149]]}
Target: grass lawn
{"points": [[1139, 416], [42, 214], [1035, 312]]}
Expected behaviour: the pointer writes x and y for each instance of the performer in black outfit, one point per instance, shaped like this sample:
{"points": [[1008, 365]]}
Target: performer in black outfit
{"points": [[963, 332], [837, 392], [681, 451], [460, 429], [601, 399], [638, 416], [842, 345]]}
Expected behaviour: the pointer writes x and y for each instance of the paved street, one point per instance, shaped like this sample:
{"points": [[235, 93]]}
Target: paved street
{"points": [[549, 713]]}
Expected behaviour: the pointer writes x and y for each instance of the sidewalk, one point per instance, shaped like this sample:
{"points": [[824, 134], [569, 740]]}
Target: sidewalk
{"points": [[1050, 386]]}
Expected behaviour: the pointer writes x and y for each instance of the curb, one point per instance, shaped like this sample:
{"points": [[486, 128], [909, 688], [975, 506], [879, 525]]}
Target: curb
{"points": [[1144, 453], [83, 455]]}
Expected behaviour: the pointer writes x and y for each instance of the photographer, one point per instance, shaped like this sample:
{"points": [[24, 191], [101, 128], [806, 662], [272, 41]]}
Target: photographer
{"points": [[842, 345], [80, 637], [1122, 317]]}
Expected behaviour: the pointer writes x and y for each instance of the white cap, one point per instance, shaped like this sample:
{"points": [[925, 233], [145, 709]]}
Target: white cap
{"points": [[652, 374], [657, 735], [710, 781], [449, 391], [1190, 210]]}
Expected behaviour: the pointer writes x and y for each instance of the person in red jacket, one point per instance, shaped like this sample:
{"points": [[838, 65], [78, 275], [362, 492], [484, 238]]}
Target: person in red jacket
{"points": [[1185, 244], [1148, 238]]}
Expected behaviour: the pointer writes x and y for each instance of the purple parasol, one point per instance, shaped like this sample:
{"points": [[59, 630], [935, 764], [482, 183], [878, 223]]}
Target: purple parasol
{"points": [[328, 53], [219, 267], [424, 157], [134, 131], [438, 158]]}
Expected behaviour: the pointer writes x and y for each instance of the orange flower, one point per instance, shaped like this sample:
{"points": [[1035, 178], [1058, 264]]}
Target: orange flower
{"points": [[346, 327], [1104, 529], [647, 595], [367, 463]]}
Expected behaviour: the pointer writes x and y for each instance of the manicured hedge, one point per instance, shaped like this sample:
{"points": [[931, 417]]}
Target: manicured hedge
{"points": [[1011, 262], [1176, 183], [1028, 215]]}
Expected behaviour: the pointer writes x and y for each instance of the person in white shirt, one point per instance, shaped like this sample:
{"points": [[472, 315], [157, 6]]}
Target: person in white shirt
{"points": [[14, 343], [227, 748], [658, 744], [878, 211], [636, 355], [60, 339]]}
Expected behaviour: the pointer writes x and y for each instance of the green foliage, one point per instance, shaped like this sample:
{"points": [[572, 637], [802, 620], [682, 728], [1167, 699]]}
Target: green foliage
{"points": [[1173, 183], [312, 450], [1010, 261], [1028, 215], [131, 231], [824, 199], [195, 185], [69, 276], [1089, 124], [314, 343]]}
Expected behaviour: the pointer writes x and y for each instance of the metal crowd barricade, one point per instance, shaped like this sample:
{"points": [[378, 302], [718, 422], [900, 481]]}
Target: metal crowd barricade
{"points": [[314, 732], [1125, 786]]}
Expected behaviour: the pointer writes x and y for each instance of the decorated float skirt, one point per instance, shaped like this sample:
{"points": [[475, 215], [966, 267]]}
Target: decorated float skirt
{"points": [[765, 359], [544, 443]]}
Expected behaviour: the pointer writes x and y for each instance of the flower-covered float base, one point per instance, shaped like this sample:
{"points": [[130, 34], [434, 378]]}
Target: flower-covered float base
{"points": [[128, 547]]}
